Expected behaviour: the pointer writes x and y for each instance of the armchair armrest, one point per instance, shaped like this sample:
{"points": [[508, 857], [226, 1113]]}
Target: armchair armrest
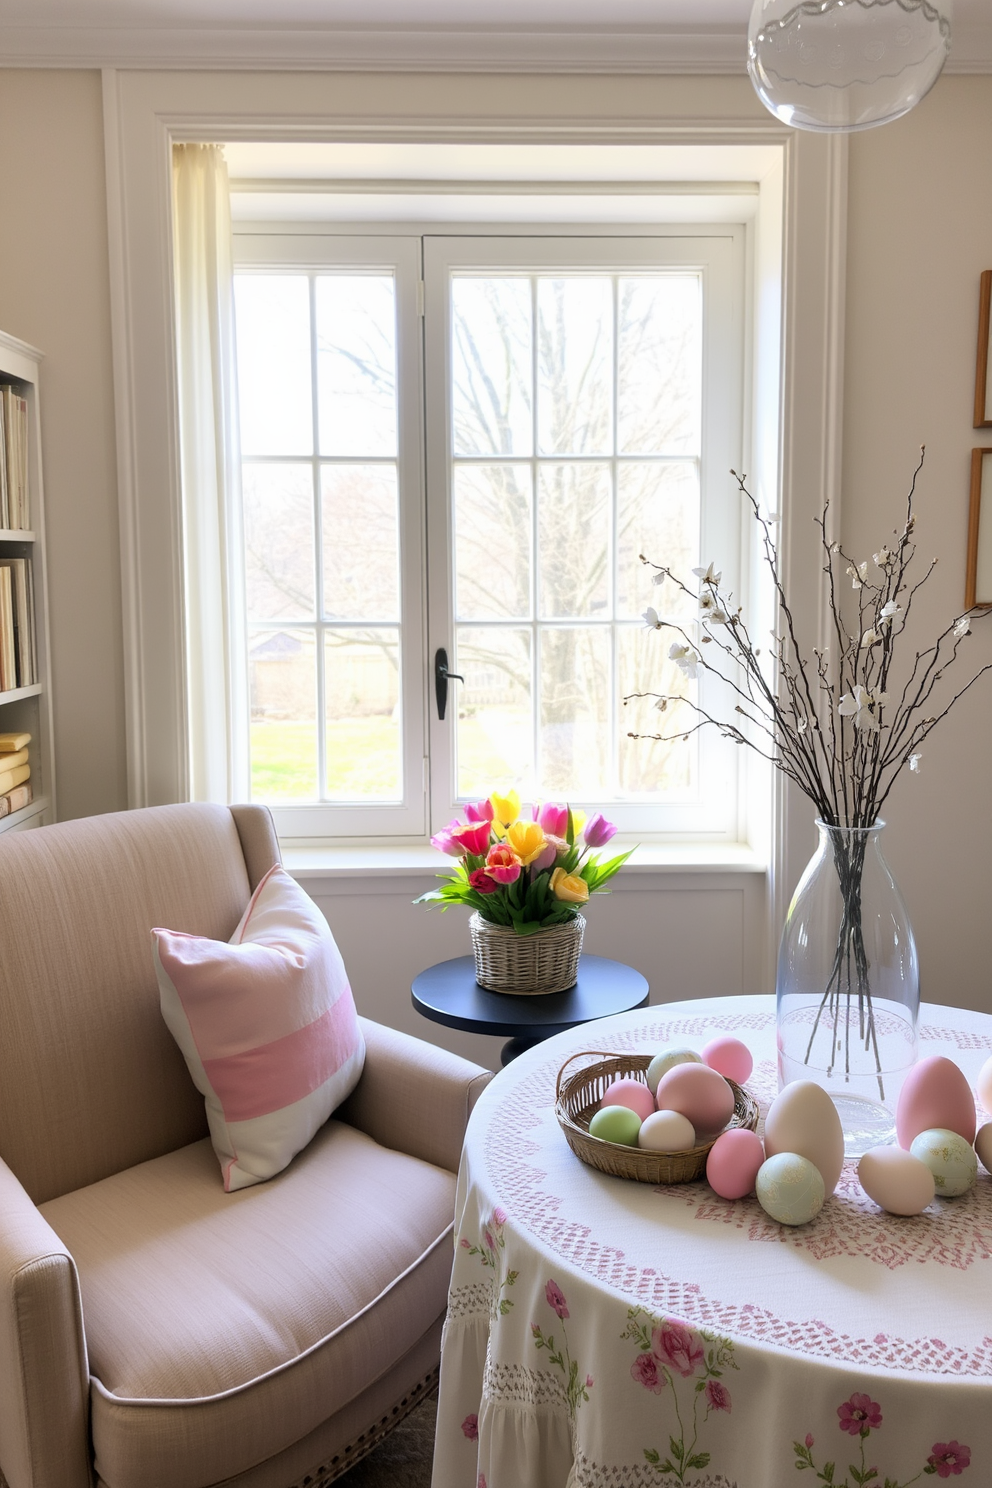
{"points": [[44, 1376], [413, 1096]]}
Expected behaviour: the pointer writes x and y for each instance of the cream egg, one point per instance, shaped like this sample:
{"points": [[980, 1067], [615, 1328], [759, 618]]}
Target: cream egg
{"points": [[733, 1163], [802, 1118], [983, 1146], [699, 1093], [935, 1094], [984, 1085], [896, 1180], [632, 1093], [667, 1059], [616, 1124], [789, 1188], [666, 1131], [729, 1057], [951, 1160]]}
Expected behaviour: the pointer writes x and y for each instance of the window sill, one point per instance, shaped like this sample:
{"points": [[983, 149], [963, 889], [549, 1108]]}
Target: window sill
{"points": [[419, 860]]}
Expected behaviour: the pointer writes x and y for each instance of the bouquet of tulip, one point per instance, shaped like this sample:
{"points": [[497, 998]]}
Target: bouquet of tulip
{"points": [[526, 874]]}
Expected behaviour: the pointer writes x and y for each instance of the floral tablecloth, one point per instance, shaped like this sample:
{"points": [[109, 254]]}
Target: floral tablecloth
{"points": [[603, 1332]]}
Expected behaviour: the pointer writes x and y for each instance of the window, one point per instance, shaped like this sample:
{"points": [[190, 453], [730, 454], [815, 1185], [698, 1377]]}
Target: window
{"points": [[465, 443]]}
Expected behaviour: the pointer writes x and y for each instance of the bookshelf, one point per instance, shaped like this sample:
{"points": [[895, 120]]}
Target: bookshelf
{"points": [[28, 709]]}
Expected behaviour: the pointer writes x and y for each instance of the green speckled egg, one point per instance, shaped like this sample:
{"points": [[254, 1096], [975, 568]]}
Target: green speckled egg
{"points": [[790, 1189], [616, 1124], [950, 1158]]}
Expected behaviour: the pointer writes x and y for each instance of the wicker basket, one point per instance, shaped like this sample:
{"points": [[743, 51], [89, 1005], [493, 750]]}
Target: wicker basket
{"points": [[577, 1098], [526, 965]]}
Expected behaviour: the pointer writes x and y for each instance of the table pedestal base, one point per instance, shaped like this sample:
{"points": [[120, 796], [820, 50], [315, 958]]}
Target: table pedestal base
{"points": [[516, 1046]]}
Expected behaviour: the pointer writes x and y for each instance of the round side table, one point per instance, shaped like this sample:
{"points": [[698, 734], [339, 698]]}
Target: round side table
{"points": [[448, 993]]}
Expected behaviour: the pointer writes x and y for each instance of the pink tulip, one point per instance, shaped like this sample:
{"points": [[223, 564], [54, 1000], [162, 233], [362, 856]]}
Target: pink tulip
{"points": [[598, 830], [481, 880], [553, 848], [554, 819], [479, 811], [503, 865], [473, 836], [445, 841]]}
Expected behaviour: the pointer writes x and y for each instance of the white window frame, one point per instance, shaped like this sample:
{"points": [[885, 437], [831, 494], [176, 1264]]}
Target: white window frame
{"points": [[718, 252], [798, 257]]}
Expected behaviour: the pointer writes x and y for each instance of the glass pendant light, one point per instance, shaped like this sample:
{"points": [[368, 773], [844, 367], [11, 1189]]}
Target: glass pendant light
{"points": [[836, 65]]}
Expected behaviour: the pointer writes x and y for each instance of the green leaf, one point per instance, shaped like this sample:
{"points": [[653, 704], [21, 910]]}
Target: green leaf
{"points": [[652, 1455], [570, 829], [828, 1472], [700, 1459], [676, 1448]]}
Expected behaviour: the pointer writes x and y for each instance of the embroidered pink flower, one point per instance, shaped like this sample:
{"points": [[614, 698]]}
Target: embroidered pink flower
{"points": [[589, 1381], [809, 1440], [499, 1215], [949, 1458], [479, 879], [482, 1481], [718, 1396], [646, 1372], [487, 1236], [555, 1300], [676, 1345], [535, 1329], [465, 1245], [470, 1427], [859, 1415]]}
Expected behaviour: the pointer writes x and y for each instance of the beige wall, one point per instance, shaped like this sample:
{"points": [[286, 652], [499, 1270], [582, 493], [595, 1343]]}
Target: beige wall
{"points": [[920, 231], [55, 294]]}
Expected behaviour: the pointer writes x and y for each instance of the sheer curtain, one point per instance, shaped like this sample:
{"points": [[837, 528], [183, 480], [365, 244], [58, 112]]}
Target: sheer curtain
{"points": [[216, 681]]}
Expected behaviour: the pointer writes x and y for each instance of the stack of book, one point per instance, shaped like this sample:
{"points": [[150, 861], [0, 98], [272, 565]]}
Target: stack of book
{"points": [[15, 512], [18, 648], [15, 773]]}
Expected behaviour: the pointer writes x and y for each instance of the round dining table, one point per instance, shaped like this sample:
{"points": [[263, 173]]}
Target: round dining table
{"points": [[604, 1333]]}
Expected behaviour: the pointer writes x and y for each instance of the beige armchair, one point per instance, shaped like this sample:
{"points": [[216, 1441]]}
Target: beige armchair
{"points": [[156, 1332]]}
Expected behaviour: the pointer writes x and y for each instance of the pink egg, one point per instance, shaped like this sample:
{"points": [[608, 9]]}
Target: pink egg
{"points": [[729, 1057], [699, 1093], [935, 1094], [733, 1163], [632, 1094]]}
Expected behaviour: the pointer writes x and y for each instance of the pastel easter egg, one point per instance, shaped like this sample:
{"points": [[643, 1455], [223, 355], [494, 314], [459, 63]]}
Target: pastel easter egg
{"points": [[667, 1059], [630, 1093], [983, 1085], [616, 1124], [802, 1118], [666, 1131], [729, 1057], [897, 1181], [733, 1163], [789, 1188], [935, 1094], [951, 1160], [983, 1146], [699, 1093]]}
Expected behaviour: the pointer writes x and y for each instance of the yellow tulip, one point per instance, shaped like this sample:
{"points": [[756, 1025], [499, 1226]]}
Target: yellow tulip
{"points": [[569, 887], [506, 809], [527, 840]]}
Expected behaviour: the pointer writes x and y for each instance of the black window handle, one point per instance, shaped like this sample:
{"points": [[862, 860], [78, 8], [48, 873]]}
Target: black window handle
{"points": [[441, 675]]}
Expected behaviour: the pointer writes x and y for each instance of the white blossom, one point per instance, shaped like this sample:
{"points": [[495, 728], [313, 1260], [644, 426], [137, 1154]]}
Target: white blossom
{"points": [[708, 575], [870, 638], [882, 558], [858, 574], [801, 725], [660, 576], [889, 611], [650, 618], [862, 707], [684, 657], [914, 763], [962, 627], [711, 609]]}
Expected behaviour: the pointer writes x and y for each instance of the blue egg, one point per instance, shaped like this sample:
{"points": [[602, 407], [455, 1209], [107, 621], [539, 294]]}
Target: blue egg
{"points": [[789, 1188], [950, 1158]]}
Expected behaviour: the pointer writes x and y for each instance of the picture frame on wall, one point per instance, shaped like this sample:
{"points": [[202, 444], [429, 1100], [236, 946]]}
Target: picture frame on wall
{"points": [[978, 575], [983, 372]]}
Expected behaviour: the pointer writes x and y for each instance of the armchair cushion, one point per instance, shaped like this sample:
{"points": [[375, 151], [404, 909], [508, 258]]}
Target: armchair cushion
{"points": [[219, 1326], [267, 1025]]}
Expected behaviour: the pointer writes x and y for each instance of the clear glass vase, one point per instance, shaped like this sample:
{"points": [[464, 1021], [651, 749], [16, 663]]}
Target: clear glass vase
{"points": [[848, 984]]}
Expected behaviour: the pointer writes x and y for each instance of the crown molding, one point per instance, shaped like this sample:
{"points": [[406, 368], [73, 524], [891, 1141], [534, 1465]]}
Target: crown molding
{"points": [[410, 49]]}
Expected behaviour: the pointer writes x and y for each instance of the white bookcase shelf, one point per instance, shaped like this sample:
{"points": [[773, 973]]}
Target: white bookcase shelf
{"points": [[29, 709]]}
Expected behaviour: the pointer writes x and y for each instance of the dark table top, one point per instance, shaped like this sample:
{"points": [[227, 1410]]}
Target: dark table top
{"points": [[448, 993]]}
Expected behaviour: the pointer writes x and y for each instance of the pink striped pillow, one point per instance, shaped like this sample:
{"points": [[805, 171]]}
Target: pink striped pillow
{"points": [[267, 1025]]}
